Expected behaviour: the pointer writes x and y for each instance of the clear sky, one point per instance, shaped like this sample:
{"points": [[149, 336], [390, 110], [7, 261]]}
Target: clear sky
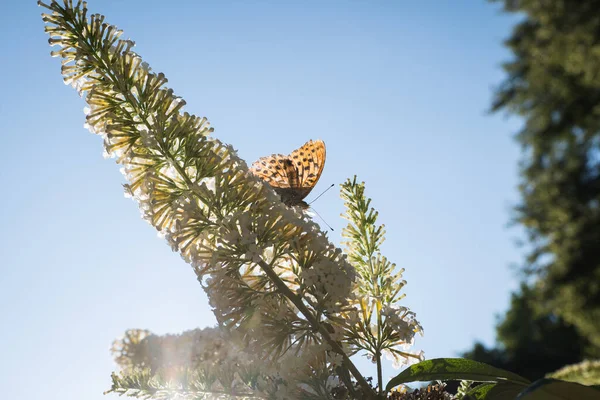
{"points": [[397, 90]]}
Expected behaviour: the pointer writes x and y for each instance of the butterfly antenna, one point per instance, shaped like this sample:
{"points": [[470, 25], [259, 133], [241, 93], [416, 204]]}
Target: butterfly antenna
{"points": [[322, 217], [322, 193]]}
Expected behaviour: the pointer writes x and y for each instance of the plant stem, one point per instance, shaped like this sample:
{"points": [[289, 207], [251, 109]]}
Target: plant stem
{"points": [[378, 349], [287, 292]]}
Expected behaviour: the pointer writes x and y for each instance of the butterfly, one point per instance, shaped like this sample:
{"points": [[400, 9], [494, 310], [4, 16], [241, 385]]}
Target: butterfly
{"points": [[293, 176]]}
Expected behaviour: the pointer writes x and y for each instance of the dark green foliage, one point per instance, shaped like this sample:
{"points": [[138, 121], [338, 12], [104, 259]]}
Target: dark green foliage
{"points": [[491, 383], [553, 82], [532, 344]]}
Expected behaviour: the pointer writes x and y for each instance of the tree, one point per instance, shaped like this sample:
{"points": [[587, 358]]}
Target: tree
{"points": [[554, 84], [530, 343]]}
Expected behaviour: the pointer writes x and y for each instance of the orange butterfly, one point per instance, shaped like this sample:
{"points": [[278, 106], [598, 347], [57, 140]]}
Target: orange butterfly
{"points": [[293, 176]]}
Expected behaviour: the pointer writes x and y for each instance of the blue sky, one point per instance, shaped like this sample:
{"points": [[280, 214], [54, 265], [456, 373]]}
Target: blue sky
{"points": [[397, 90]]}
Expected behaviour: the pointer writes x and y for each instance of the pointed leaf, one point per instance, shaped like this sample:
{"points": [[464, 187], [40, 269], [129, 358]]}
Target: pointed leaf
{"points": [[495, 391], [454, 369], [553, 389], [480, 392]]}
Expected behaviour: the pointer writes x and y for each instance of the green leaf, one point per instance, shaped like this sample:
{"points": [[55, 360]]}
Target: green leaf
{"points": [[454, 369], [552, 389], [480, 392], [494, 391]]}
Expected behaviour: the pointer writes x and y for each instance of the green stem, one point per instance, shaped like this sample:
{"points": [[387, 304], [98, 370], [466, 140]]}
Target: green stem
{"points": [[287, 292], [378, 351]]}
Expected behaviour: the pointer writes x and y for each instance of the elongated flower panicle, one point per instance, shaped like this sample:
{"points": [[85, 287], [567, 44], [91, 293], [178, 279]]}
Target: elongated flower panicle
{"points": [[253, 254], [296, 306], [212, 360], [201, 360], [378, 324]]}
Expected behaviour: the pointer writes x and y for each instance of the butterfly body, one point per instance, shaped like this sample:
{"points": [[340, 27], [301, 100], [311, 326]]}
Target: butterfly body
{"points": [[295, 175]]}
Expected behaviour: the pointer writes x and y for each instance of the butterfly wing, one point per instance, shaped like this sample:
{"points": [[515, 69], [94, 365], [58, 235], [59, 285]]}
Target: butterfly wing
{"points": [[277, 170], [293, 176], [308, 161]]}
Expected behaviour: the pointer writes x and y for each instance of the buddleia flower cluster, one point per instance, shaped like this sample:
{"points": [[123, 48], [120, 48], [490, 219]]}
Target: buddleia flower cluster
{"points": [[378, 324], [293, 301], [210, 361]]}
